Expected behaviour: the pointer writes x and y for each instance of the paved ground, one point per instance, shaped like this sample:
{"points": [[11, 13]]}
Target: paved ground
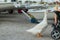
{"points": [[13, 28]]}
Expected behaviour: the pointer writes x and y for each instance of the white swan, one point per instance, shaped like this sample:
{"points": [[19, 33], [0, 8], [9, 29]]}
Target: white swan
{"points": [[39, 27]]}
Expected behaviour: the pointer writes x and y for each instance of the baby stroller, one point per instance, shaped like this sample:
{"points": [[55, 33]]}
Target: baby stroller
{"points": [[55, 34]]}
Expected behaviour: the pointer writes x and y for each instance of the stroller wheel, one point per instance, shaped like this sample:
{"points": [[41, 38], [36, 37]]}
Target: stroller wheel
{"points": [[55, 34]]}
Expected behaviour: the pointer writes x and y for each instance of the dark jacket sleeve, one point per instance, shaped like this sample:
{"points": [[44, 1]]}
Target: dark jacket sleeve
{"points": [[56, 12]]}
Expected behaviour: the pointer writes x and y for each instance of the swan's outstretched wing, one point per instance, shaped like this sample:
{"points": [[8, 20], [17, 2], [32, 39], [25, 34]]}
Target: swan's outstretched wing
{"points": [[38, 28]]}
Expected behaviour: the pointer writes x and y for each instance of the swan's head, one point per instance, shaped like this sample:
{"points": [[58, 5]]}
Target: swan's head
{"points": [[47, 11]]}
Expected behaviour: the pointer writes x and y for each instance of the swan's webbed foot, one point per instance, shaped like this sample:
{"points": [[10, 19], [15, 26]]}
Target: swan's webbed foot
{"points": [[39, 35]]}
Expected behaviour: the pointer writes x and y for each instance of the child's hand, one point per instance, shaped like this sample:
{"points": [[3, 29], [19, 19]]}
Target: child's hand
{"points": [[56, 7]]}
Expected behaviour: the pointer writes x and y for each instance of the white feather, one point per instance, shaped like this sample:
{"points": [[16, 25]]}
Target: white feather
{"points": [[39, 27]]}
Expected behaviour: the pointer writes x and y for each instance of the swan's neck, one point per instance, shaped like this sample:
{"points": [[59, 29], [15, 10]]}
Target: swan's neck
{"points": [[45, 16]]}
